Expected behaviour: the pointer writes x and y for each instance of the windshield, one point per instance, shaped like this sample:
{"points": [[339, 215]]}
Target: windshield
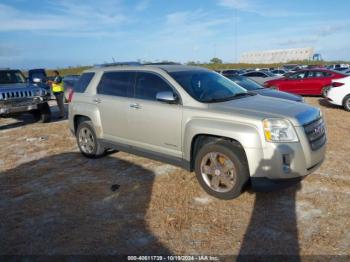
{"points": [[11, 77], [245, 82], [269, 73], [207, 86]]}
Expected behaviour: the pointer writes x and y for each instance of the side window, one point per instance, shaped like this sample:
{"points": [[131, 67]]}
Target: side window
{"points": [[148, 85], [250, 74], [299, 75], [116, 84], [315, 74], [83, 82]]}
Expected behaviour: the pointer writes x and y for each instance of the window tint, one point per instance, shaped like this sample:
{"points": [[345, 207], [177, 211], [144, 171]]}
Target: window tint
{"points": [[206, 86], [245, 82], [230, 72], [116, 84], [148, 85], [83, 82], [11, 77], [299, 75], [315, 74], [255, 74]]}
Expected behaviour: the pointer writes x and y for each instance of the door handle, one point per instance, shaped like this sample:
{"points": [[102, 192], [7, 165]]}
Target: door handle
{"points": [[135, 106], [97, 100]]}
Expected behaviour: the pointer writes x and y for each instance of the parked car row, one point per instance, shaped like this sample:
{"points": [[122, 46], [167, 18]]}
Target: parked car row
{"points": [[331, 84]]}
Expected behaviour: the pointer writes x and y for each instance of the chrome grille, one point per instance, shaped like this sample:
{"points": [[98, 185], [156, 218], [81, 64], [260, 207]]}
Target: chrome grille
{"points": [[316, 133], [16, 94]]}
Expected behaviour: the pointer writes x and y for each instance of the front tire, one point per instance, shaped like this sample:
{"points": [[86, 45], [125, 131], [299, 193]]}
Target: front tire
{"points": [[221, 169], [346, 103], [87, 141], [43, 113]]}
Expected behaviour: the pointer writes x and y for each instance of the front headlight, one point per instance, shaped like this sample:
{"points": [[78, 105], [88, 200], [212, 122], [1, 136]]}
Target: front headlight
{"points": [[279, 130]]}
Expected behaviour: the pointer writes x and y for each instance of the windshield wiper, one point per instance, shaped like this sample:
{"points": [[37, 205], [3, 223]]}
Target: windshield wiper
{"points": [[213, 100]]}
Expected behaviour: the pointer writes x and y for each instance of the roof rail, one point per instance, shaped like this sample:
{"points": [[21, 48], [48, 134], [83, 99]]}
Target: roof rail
{"points": [[162, 63], [119, 64]]}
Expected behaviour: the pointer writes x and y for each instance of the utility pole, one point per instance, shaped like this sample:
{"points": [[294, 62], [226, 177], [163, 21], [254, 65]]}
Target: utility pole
{"points": [[236, 34]]}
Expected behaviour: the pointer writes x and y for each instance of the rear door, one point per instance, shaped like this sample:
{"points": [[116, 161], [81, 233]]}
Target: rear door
{"points": [[113, 97], [315, 81], [155, 125]]}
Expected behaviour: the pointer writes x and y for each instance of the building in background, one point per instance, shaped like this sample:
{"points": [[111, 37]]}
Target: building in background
{"points": [[277, 56]]}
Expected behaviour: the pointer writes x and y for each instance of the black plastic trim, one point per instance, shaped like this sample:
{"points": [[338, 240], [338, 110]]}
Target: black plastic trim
{"points": [[263, 184], [147, 153]]}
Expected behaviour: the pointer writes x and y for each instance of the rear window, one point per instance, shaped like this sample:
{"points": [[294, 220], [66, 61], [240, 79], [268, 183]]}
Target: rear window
{"points": [[116, 84], [83, 82]]}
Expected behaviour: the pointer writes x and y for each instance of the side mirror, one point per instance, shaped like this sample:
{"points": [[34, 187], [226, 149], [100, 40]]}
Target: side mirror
{"points": [[167, 97], [36, 80]]}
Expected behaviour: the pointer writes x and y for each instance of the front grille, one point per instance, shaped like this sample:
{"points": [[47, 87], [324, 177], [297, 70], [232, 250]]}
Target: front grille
{"points": [[316, 133], [16, 94]]}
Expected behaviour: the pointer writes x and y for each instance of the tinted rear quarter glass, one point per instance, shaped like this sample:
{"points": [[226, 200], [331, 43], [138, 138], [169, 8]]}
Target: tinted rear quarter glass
{"points": [[83, 82], [116, 84]]}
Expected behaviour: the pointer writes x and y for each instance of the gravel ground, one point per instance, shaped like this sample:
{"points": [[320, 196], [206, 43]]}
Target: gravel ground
{"points": [[54, 201]]}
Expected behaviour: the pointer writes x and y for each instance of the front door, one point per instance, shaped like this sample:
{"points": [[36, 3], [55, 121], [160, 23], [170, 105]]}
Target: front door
{"points": [[155, 125], [297, 83]]}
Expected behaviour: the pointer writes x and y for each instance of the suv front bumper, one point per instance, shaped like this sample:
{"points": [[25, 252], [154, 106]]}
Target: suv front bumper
{"points": [[8, 107], [281, 164]]}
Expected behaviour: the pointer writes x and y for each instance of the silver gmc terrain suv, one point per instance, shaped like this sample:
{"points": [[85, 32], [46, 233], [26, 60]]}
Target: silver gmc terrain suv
{"points": [[197, 119]]}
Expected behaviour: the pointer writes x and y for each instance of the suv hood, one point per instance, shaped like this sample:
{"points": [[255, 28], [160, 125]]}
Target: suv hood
{"points": [[17, 85], [278, 94], [262, 107]]}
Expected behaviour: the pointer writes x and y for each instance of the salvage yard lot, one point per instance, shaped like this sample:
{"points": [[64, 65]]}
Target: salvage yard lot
{"points": [[55, 201]]}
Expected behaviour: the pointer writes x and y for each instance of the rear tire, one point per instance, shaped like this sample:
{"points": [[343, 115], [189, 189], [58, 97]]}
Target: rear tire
{"points": [[346, 103], [324, 91], [221, 169], [87, 141]]}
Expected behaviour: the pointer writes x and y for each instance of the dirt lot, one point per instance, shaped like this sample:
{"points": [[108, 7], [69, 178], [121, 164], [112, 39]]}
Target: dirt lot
{"points": [[54, 201]]}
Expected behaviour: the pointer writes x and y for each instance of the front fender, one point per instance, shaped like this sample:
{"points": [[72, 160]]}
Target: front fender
{"points": [[247, 135]]}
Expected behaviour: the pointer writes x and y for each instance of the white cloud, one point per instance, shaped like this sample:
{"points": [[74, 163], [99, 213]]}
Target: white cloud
{"points": [[69, 16], [262, 8], [315, 34], [236, 4]]}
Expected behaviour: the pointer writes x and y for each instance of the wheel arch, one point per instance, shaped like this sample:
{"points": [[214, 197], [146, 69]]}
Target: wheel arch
{"points": [[201, 139]]}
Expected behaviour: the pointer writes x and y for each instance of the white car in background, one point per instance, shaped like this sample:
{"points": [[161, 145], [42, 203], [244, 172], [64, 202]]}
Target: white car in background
{"points": [[339, 92]]}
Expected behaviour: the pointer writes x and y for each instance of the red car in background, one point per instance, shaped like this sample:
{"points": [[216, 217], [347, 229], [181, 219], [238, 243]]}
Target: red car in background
{"points": [[305, 82]]}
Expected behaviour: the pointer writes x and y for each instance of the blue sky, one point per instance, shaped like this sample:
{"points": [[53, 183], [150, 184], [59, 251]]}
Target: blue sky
{"points": [[58, 33]]}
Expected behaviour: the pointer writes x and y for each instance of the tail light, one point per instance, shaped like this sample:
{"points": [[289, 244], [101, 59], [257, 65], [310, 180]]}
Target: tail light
{"points": [[336, 84], [70, 95]]}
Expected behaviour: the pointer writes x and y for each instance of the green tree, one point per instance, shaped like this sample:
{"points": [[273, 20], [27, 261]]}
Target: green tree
{"points": [[191, 63], [216, 60]]}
